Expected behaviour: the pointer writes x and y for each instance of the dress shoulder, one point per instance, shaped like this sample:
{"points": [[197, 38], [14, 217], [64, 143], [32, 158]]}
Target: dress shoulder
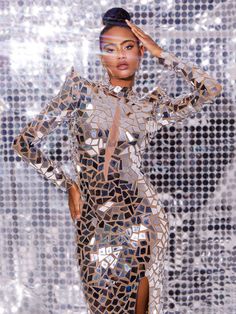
{"points": [[57, 110]]}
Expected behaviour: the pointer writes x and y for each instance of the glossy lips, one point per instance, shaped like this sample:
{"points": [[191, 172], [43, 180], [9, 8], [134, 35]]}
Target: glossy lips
{"points": [[122, 66]]}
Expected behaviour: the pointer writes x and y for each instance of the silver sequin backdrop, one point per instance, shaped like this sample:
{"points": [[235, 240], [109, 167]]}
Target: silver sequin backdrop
{"points": [[193, 166]]}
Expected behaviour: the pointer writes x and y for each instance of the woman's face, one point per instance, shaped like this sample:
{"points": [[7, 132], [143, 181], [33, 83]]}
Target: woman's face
{"points": [[120, 52]]}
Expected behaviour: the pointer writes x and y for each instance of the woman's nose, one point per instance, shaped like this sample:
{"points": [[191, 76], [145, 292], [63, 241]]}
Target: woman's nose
{"points": [[121, 53]]}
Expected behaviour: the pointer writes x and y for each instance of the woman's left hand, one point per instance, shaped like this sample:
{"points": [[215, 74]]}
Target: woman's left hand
{"points": [[146, 40]]}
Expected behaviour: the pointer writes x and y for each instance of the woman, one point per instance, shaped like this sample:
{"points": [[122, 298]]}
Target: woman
{"points": [[122, 229]]}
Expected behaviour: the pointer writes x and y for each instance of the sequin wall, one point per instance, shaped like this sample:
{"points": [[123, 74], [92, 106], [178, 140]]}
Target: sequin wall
{"points": [[192, 166]]}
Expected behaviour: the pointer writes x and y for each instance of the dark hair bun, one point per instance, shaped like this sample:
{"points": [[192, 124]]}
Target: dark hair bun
{"points": [[116, 16]]}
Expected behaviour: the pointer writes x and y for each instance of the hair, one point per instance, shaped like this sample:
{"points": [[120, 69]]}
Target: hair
{"points": [[114, 17]]}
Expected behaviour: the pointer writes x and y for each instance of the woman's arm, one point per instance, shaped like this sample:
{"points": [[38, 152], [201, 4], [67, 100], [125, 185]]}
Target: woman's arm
{"points": [[57, 110], [205, 88], [170, 110]]}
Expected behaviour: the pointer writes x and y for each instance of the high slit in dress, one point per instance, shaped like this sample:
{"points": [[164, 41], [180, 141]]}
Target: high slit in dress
{"points": [[123, 231]]}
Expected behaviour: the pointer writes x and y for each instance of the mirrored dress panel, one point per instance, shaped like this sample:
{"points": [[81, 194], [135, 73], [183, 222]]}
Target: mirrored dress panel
{"points": [[123, 230]]}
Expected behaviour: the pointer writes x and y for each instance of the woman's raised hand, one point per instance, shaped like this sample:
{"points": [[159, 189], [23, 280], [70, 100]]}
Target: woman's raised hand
{"points": [[75, 202], [146, 40]]}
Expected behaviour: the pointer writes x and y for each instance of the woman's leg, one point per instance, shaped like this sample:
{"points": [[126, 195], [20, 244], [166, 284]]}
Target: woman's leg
{"points": [[142, 297]]}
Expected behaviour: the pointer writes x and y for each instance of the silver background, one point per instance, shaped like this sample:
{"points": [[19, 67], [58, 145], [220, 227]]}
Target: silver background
{"points": [[193, 166]]}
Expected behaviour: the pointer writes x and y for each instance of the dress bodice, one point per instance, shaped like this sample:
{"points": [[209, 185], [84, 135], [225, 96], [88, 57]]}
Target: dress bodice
{"points": [[106, 121]]}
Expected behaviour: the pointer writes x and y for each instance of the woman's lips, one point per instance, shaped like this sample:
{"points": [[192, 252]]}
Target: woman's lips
{"points": [[122, 67]]}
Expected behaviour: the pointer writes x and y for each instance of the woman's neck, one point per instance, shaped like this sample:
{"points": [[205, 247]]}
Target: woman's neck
{"points": [[125, 82]]}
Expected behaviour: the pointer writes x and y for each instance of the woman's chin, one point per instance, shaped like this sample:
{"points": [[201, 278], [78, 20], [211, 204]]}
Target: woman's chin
{"points": [[124, 75]]}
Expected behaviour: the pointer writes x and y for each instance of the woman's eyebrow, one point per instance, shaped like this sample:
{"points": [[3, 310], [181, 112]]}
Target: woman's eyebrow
{"points": [[108, 44]]}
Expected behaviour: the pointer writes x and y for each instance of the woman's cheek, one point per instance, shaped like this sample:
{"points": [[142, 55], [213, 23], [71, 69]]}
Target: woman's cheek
{"points": [[133, 59]]}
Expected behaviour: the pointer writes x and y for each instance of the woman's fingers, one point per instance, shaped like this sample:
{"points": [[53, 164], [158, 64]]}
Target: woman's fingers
{"points": [[78, 209], [76, 206], [72, 208], [74, 201], [136, 33], [136, 29]]}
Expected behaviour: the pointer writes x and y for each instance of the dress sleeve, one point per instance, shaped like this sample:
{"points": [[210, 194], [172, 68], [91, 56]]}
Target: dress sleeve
{"points": [[168, 110], [56, 111]]}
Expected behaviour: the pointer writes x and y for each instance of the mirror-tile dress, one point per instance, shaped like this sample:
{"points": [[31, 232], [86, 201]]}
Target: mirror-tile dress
{"points": [[123, 231]]}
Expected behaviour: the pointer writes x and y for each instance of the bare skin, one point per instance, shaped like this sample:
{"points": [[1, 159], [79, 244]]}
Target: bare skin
{"points": [[142, 297], [75, 202], [120, 45]]}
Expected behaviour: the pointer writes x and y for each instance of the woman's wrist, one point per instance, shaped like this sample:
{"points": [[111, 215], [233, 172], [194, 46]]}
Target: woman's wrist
{"points": [[158, 51], [73, 187]]}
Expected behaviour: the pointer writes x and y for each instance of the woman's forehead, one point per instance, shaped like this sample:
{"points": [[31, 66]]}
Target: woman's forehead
{"points": [[117, 35], [117, 39]]}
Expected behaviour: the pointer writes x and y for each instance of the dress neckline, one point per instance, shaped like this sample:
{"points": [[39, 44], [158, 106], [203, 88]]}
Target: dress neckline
{"points": [[120, 90]]}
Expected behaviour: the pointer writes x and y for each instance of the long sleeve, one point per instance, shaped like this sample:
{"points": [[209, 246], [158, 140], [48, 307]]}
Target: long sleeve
{"points": [[57, 110], [168, 110]]}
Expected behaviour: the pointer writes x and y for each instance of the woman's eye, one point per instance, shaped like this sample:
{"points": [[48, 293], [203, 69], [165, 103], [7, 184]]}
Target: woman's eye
{"points": [[109, 50], [129, 47]]}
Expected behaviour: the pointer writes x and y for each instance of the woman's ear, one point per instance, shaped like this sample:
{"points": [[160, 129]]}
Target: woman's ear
{"points": [[100, 57]]}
